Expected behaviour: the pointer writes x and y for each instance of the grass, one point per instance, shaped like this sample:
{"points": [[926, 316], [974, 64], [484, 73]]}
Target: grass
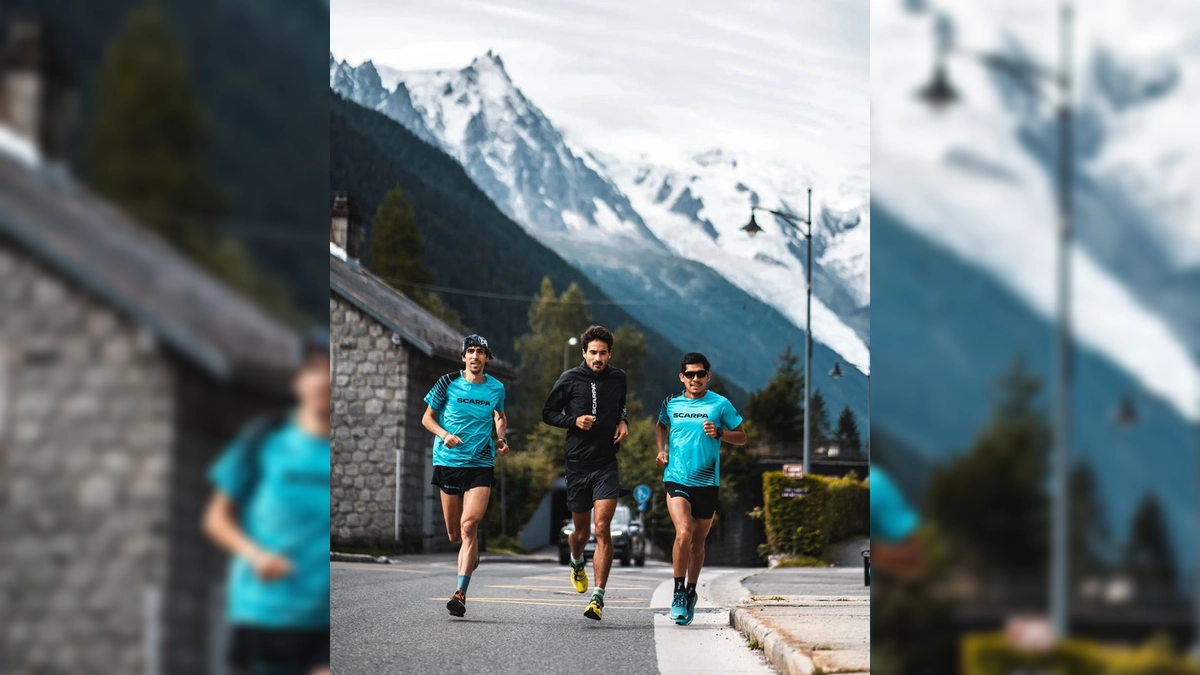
{"points": [[755, 646], [802, 561], [822, 648], [776, 597]]}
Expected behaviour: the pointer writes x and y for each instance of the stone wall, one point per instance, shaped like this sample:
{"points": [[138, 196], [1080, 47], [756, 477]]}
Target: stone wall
{"points": [[378, 394], [84, 474]]}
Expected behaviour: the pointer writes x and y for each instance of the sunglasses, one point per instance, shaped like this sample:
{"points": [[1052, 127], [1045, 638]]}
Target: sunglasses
{"points": [[693, 374]]}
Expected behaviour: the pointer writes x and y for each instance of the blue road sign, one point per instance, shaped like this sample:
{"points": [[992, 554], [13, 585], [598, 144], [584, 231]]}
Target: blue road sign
{"points": [[642, 493]]}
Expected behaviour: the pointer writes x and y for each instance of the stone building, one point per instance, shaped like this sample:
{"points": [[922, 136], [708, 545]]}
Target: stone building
{"points": [[387, 353], [124, 369]]}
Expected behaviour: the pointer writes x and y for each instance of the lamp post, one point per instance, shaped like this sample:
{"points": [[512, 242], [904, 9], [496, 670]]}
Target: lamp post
{"points": [[836, 374], [940, 93], [566, 349], [752, 229]]}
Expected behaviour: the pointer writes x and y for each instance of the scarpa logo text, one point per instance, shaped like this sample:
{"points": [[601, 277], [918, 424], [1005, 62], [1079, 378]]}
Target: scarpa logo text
{"points": [[691, 415], [474, 401]]}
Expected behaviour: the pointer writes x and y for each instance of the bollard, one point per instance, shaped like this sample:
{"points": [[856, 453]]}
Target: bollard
{"points": [[866, 556]]}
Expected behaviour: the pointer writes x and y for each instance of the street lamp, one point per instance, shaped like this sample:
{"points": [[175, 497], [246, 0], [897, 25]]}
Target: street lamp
{"points": [[752, 229], [566, 350], [836, 374], [939, 93]]}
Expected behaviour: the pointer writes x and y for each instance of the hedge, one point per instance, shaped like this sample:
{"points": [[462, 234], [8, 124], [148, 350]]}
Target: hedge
{"points": [[992, 654], [830, 510]]}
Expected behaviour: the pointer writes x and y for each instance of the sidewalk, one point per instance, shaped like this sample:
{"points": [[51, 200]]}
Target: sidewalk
{"points": [[809, 618]]}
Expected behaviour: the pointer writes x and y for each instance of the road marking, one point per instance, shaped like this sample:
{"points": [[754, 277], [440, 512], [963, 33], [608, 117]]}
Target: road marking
{"points": [[561, 589], [564, 579], [530, 601]]}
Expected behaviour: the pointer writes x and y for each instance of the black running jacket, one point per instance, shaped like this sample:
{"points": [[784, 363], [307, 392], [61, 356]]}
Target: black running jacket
{"points": [[578, 392]]}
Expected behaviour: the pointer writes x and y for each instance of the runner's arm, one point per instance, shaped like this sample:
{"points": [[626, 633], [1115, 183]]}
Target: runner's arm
{"points": [[735, 436], [661, 433], [552, 412], [501, 425], [221, 525], [430, 422]]}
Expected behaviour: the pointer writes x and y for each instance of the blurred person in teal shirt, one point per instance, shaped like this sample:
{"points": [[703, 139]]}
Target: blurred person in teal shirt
{"points": [[270, 511], [894, 547]]}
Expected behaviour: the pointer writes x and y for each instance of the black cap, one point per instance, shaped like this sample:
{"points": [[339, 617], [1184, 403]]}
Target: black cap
{"points": [[474, 340], [315, 341]]}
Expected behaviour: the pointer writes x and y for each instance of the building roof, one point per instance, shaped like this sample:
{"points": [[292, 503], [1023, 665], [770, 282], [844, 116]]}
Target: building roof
{"points": [[87, 240], [400, 314]]}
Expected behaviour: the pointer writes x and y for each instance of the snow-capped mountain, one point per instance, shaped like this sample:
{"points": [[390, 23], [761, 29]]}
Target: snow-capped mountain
{"points": [[964, 209], [698, 211], [634, 222]]}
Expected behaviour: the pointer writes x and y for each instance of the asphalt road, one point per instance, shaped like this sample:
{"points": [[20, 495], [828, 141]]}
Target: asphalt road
{"points": [[526, 618]]}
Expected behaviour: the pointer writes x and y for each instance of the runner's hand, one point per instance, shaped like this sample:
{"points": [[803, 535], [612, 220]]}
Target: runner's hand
{"points": [[661, 460], [585, 422], [502, 448], [710, 429], [622, 432], [451, 440], [269, 566]]}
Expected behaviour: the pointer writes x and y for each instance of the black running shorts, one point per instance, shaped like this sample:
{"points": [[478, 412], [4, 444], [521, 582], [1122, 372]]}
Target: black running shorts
{"points": [[295, 652], [455, 480], [587, 487], [703, 499]]}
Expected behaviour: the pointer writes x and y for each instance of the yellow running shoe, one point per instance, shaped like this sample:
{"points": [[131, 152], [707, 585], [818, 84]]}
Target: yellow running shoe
{"points": [[595, 608], [579, 577]]}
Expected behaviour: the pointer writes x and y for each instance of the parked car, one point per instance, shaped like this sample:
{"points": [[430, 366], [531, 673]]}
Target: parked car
{"points": [[629, 542]]}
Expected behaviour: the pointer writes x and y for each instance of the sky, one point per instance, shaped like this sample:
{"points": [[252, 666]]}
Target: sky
{"points": [[780, 80]]}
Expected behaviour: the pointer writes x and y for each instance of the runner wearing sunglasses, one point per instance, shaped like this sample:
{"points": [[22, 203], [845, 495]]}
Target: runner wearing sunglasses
{"points": [[692, 424]]}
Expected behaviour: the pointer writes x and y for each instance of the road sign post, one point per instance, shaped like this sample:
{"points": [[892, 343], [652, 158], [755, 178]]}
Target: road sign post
{"points": [[642, 494]]}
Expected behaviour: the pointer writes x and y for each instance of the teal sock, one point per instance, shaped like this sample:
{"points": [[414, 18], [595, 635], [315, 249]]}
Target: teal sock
{"points": [[464, 580], [598, 594], [578, 563]]}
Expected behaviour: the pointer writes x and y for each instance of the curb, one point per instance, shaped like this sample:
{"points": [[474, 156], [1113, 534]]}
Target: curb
{"points": [[783, 657]]}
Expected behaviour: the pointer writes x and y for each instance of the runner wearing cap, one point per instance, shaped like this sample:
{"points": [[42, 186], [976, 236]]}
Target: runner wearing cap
{"points": [[462, 408]]}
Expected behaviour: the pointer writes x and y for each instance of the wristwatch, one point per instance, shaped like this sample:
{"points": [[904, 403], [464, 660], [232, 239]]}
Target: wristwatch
{"points": [[720, 432]]}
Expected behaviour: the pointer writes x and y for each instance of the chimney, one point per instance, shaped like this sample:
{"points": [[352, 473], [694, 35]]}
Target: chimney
{"points": [[36, 100], [345, 225]]}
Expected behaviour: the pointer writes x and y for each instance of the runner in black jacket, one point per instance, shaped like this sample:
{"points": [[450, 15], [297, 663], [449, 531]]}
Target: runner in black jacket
{"points": [[589, 402]]}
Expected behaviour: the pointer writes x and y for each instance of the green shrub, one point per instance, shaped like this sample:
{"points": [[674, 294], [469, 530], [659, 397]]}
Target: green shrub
{"points": [[991, 654], [848, 509], [832, 509]]}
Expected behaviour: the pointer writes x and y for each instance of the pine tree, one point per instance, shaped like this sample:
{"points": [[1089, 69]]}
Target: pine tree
{"points": [[149, 145], [1149, 556], [148, 152], [847, 436], [1088, 531], [397, 248], [819, 417], [1006, 464], [553, 319], [777, 408]]}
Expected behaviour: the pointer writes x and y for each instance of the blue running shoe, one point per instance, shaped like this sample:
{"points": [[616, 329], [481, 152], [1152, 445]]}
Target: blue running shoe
{"points": [[679, 606]]}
